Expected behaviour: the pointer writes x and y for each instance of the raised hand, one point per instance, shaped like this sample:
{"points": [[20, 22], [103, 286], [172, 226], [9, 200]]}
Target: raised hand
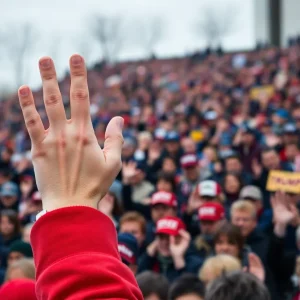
{"points": [[70, 167], [129, 170], [178, 248], [194, 202], [256, 266], [283, 211], [256, 168]]}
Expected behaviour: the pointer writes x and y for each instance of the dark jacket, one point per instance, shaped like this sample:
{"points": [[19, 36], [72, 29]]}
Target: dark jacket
{"points": [[167, 268]]}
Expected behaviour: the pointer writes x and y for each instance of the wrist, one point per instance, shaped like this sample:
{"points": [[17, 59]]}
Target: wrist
{"points": [[179, 261], [280, 229]]}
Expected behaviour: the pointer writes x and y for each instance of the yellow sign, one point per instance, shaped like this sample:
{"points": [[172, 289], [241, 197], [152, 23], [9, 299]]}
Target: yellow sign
{"points": [[260, 92], [288, 182]]}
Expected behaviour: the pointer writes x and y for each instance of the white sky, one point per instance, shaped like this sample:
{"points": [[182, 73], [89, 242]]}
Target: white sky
{"points": [[62, 26]]}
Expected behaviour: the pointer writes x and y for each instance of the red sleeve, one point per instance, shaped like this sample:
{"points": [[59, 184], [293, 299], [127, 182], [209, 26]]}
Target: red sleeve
{"points": [[76, 256]]}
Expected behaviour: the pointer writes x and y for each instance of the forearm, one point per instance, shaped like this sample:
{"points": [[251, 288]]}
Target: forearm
{"points": [[76, 257]]}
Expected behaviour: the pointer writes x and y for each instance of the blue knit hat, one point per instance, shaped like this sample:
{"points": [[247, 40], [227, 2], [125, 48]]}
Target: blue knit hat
{"points": [[128, 248]]}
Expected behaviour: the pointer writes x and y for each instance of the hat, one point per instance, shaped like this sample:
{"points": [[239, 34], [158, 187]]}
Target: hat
{"points": [[282, 113], [251, 192], [166, 198], [209, 188], [18, 289], [210, 115], [289, 128], [128, 248], [22, 247], [160, 133], [9, 189], [169, 225], [189, 160], [172, 136], [211, 211]]}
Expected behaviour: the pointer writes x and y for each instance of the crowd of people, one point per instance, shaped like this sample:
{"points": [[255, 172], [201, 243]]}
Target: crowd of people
{"points": [[190, 206]]}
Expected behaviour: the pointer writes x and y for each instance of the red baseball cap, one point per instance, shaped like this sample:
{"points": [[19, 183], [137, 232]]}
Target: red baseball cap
{"points": [[209, 188], [189, 160], [211, 211], [165, 198], [169, 225]]}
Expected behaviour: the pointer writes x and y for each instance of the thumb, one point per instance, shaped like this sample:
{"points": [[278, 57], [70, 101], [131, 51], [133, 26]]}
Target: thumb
{"points": [[113, 142]]}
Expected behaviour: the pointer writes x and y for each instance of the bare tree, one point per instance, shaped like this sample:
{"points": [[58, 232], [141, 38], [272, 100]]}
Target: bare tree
{"points": [[18, 40], [216, 23], [108, 32], [149, 33]]}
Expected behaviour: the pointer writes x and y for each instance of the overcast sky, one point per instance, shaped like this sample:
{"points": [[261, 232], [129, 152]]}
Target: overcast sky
{"points": [[62, 27]]}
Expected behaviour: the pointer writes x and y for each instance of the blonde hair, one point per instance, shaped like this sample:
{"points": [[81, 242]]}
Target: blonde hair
{"points": [[244, 206], [26, 265], [217, 265], [145, 135]]}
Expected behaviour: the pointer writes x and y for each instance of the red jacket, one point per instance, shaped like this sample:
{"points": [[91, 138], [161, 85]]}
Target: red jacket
{"points": [[76, 256]]}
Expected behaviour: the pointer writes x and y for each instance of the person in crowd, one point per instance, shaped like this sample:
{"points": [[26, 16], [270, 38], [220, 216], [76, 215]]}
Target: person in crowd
{"points": [[237, 285], [154, 286], [10, 231], [163, 204], [187, 287], [231, 187], [166, 182], [233, 164], [172, 147], [206, 191], [215, 266], [129, 250], [18, 289], [135, 224], [168, 254], [22, 268], [111, 207], [211, 216], [245, 144], [136, 189], [18, 250], [264, 215], [9, 196]]}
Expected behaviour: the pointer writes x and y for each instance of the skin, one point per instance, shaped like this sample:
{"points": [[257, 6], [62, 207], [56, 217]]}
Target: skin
{"points": [[190, 297], [6, 227], [14, 256], [223, 246], [159, 211], [135, 229], [67, 155], [244, 220]]}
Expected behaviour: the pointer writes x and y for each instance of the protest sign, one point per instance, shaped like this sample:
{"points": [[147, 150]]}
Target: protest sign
{"points": [[288, 182]]}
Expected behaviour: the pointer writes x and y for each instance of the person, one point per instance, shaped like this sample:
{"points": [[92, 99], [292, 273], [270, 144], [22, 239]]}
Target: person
{"points": [[72, 174], [153, 286], [26, 232], [237, 285], [211, 216], [206, 191], [163, 204], [18, 250], [187, 287], [231, 187], [253, 194], [22, 268], [33, 207], [9, 196], [134, 223], [215, 266], [168, 254], [10, 231], [129, 250]]}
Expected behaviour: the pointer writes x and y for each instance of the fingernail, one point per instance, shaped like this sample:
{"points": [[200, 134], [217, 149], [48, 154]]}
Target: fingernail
{"points": [[45, 63], [24, 91], [121, 123], [76, 60]]}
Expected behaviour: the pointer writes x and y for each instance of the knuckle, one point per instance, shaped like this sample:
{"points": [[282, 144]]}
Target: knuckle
{"points": [[31, 121], [49, 76], [26, 103], [52, 99], [80, 94]]}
